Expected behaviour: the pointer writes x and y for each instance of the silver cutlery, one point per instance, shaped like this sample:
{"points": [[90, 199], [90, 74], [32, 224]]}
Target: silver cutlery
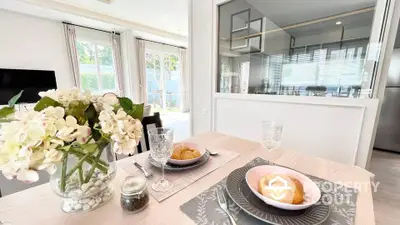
{"points": [[146, 174], [224, 205], [212, 153]]}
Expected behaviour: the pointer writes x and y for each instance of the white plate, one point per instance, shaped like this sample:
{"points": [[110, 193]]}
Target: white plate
{"points": [[311, 190], [187, 161]]}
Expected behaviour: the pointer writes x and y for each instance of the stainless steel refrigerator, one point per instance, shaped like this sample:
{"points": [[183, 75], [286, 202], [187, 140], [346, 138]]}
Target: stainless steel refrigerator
{"points": [[388, 133]]}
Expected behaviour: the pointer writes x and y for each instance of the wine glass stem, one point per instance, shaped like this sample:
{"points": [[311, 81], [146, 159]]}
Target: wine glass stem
{"points": [[162, 171]]}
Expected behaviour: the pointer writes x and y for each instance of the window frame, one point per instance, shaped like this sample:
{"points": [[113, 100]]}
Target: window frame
{"points": [[96, 42]]}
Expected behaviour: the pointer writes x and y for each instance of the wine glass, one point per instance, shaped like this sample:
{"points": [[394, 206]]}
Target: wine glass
{"points": [[161, 142], [271, 135]]}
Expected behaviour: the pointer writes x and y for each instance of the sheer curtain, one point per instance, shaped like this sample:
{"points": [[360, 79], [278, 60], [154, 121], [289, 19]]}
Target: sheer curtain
{"points": [[70, 39], [184, 81], [141, 57], [116, 44]]}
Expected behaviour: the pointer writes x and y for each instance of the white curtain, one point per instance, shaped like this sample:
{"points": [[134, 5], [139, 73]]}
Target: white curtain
{"points": [[185, 92], [116, 50], [141, 57], [70, 39]]}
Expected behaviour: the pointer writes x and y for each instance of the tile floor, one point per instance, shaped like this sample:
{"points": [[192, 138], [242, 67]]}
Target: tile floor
{"points": [[386, 167]]}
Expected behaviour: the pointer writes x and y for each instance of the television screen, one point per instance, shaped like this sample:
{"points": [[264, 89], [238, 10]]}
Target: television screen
{"points": [[12, 81]]}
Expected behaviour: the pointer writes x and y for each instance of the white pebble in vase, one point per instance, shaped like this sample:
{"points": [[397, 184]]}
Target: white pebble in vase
{"points": [[85, 187], [67, 208], [95, 205], [92, 202], [98, 200], [73, 194], [98, 183], [84, 200], [78, 206], [103, 186], [86, 207], [90, 183]]}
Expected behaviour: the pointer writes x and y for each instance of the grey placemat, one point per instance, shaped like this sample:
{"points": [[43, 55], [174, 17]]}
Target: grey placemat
{"points": [[204, 209]]}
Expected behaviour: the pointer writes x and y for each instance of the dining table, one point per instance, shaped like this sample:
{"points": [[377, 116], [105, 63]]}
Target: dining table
{"points": [[41, 206]]}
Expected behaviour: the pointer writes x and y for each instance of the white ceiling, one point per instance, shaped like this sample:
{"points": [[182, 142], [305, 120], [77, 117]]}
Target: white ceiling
{"points": [[33, 10], [159, 20], [288, 12], [167, 15]]}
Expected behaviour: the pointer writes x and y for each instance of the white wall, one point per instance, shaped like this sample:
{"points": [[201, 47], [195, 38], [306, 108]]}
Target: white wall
{"points": [[337, 129], [351, 122], [200, 42], [31, 43]]}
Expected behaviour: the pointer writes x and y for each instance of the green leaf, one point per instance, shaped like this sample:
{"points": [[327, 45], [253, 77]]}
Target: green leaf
{"points": [[44, 103], [14, 99], [6, 111], [134, 110], [137, 111], [93, 118], [89, 148], [65, 148], [126, 103], [91, 114], [6, 120], [78, 109]]}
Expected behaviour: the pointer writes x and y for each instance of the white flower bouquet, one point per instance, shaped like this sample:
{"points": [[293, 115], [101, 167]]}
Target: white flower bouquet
{"points": [[63, 123]]}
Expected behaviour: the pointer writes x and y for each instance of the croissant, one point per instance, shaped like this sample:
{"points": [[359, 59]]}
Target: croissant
{"points": [[184, 153], [281, 188]]}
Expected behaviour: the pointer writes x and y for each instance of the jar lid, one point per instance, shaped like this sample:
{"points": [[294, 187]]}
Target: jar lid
{"points": [[133, 185]]}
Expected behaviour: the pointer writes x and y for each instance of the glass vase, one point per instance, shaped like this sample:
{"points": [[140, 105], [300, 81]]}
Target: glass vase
{"points": [[83, 177]]}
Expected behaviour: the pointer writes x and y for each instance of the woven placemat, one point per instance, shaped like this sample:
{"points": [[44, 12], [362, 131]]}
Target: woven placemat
{"points": [[179, 179], [204, 209]]}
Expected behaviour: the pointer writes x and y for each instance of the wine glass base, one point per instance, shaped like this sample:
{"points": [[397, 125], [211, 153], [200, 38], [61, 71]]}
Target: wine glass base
{"points": [[161, 186]]}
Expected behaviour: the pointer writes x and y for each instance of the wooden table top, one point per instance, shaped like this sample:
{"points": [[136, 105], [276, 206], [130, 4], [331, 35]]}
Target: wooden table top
{"points": [[40, 206]]}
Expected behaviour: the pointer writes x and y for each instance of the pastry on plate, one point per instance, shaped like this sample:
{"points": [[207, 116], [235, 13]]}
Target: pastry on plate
{"points": [[282, 188], [183, 152]]}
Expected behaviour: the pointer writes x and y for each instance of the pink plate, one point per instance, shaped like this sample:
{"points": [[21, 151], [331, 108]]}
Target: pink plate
{"points": [[311, 190]]}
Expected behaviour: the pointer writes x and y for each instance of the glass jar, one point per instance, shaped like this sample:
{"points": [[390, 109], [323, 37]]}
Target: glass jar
{"points": [[134, 194]]}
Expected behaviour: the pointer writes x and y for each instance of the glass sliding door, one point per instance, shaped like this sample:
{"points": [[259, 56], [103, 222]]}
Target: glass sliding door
{"points": [[166, 78], [163, 80]]}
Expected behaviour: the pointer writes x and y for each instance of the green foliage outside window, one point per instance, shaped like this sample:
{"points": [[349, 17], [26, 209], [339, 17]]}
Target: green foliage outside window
{"points": [[108, 81], [87, 55], [90, 82], [86, 52], [153, 62]]}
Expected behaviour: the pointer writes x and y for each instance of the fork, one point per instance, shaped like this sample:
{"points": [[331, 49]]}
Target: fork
{"points": [[146, 174], [224, 205]]}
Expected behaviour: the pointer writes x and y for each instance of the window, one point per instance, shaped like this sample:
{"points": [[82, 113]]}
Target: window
{"points": [[312, 52], [163, 79], [96, 62]]}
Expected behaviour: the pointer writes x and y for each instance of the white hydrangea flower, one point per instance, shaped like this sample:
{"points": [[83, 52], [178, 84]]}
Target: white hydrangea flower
{"points": [[65, 97], [30, 143], [124, 130], [107, 102], [73, 131]]}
